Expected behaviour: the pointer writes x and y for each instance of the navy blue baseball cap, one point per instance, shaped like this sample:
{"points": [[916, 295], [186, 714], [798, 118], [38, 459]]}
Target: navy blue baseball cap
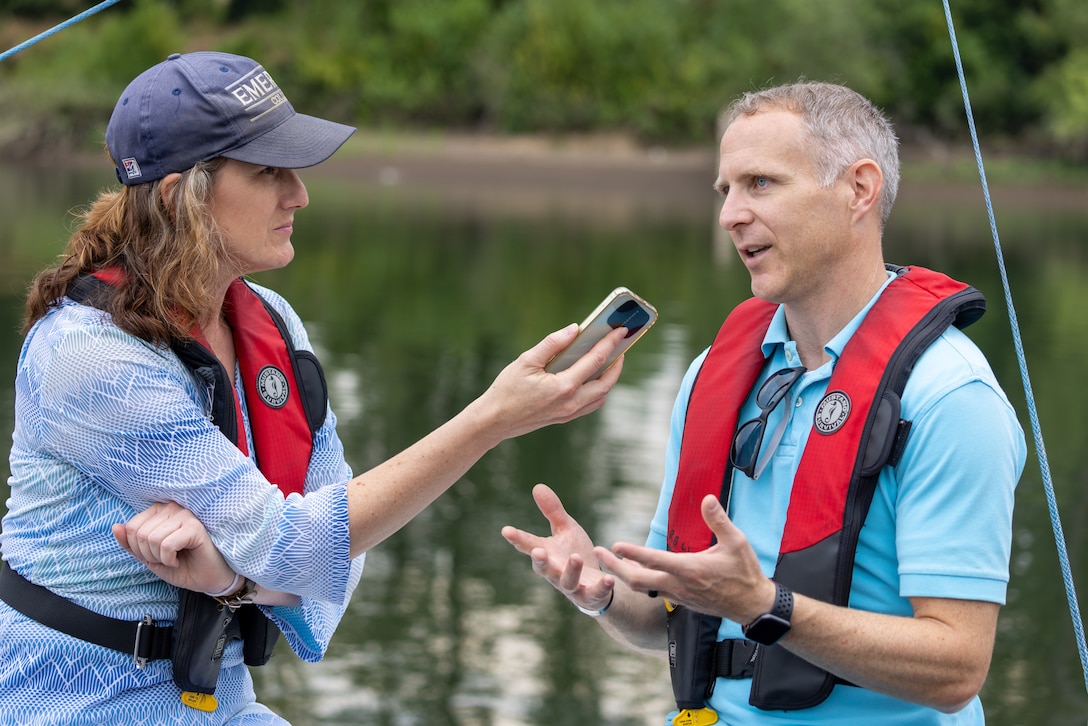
{"points": [[196, 106]]}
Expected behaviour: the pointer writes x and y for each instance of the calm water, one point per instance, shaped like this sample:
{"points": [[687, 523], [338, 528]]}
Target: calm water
{"points": [[417, 296]]}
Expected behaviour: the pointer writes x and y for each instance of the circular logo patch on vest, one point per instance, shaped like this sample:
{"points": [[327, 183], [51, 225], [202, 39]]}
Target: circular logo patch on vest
{"points": [[832, 412], [272, 386]]}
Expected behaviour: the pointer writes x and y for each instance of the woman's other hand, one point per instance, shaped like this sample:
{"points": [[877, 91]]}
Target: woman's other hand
{"points": [[174, 545]]}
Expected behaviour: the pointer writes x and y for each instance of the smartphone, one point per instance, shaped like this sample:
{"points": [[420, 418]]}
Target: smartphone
{"points": [[622, 308]]}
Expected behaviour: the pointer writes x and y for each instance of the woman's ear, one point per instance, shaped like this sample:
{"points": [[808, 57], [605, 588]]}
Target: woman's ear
{"points": [[166, 190]]}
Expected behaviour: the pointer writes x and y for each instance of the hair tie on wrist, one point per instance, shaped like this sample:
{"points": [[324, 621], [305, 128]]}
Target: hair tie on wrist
{"points": [[230, 588], [598, 613]]}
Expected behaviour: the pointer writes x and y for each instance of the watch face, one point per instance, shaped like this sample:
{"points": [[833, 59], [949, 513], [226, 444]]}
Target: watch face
{"points": [[767, 629]]}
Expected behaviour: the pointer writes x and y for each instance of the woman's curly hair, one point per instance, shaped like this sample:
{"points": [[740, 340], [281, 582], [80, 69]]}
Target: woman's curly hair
{"points": [[169, 257]]}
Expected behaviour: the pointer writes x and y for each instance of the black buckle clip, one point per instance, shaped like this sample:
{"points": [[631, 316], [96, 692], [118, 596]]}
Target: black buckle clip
{"points": [[141, 660], [735, 658]]}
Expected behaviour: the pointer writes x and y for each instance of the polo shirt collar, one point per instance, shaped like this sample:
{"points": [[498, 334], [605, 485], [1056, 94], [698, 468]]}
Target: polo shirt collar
{"points": [[778, 334]]}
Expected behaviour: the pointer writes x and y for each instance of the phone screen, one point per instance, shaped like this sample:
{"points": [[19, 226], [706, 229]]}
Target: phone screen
{"points": [[622, 308]]}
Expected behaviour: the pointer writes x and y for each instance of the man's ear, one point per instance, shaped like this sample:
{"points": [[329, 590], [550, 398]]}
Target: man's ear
{"points": [[867, 181], [167, 188]]}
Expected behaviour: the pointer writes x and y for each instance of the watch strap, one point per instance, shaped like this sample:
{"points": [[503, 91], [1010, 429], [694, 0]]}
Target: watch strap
{"points": [[783, 601], [781, 611]]}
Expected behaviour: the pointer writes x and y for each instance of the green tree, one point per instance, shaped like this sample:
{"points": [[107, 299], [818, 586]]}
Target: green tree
{"points": [[1061, 90], [661, 69], [1005, 46], [387, 62], [568, 65], [70, 83]]}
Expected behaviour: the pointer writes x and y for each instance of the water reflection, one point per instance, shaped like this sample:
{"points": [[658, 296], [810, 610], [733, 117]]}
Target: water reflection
{"points": [[417, 293]]}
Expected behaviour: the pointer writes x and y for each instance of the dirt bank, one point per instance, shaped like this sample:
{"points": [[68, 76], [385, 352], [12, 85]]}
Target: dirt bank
{"points": [[469, 165], [616, 165]]}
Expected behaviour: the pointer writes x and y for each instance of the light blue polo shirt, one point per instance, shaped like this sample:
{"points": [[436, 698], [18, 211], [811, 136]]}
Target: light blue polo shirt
{"points": [[940, 524]]}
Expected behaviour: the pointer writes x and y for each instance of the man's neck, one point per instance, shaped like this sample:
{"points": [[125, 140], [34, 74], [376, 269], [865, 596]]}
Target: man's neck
{"points": [[813, 325]]}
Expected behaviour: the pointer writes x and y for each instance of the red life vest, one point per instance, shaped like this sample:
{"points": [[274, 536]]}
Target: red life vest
{"points": [[287, 401], [838, 471], [285, 388]]}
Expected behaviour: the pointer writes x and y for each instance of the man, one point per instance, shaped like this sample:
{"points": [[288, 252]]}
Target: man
{"points": [[841, 435]]}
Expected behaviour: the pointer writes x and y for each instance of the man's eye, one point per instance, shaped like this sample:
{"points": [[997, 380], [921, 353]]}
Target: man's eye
{"points": [[761, 181]]}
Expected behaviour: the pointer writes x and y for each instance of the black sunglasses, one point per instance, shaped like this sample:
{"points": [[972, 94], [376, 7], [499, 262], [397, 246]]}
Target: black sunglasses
{"points": [[749, 438]]}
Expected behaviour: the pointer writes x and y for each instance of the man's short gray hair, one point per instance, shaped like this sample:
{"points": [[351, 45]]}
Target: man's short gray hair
{"points": [[844, 125]]}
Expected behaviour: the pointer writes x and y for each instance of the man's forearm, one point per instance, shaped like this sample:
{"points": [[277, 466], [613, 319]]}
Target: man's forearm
{"points": [[938, 658], [636, 621]]}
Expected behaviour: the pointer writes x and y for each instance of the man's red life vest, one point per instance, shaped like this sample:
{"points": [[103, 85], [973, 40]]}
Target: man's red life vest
{"points": [[838, 471]]}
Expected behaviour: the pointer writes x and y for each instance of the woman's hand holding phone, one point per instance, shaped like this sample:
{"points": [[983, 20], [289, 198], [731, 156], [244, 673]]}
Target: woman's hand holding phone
{"points": [[523, 397], [566, 375], [621, 308]]}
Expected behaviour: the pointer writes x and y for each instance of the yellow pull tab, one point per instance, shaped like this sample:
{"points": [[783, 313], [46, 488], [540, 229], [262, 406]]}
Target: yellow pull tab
{"points": [[691, 717], [200, 701]]}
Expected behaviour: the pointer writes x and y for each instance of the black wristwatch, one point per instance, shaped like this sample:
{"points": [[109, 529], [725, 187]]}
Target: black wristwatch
{"points": [[768, 628]]}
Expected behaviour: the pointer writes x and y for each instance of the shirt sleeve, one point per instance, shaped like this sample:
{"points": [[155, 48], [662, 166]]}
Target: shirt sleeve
{"points": [[955, 495]]}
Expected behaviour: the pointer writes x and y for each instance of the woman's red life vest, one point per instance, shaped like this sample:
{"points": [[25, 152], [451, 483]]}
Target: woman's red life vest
{"points": [[285, 389], [839, 467]]}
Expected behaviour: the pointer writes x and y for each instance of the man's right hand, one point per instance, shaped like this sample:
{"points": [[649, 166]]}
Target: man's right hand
{"points": [[565, 558]]}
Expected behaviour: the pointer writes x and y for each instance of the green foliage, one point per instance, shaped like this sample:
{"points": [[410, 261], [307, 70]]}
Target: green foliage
{"points": [[1061, 90], [1067, 85], [42, 8], [731, 46], [382, 62], [661, 69], [562, 65], [67, 86]]}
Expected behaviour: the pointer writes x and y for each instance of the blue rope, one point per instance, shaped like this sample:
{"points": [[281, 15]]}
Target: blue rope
{"points": [[1048, 485], [57, 28]]}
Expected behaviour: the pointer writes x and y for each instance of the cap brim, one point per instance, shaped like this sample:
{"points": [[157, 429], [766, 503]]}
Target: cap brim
{"points": [[298, 142]]}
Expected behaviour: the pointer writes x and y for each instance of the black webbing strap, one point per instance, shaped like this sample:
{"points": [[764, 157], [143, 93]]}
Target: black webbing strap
{"points": [[142, 639], [734, 658]]}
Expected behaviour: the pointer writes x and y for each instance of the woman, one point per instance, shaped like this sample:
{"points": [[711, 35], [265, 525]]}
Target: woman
{"points": [[124, 402]]}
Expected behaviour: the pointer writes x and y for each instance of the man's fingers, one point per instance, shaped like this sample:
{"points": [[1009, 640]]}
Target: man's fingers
{"points": [[715, 516], [522, 541], [641, 568], [551, 506], [645, 557], [571, 575]]}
